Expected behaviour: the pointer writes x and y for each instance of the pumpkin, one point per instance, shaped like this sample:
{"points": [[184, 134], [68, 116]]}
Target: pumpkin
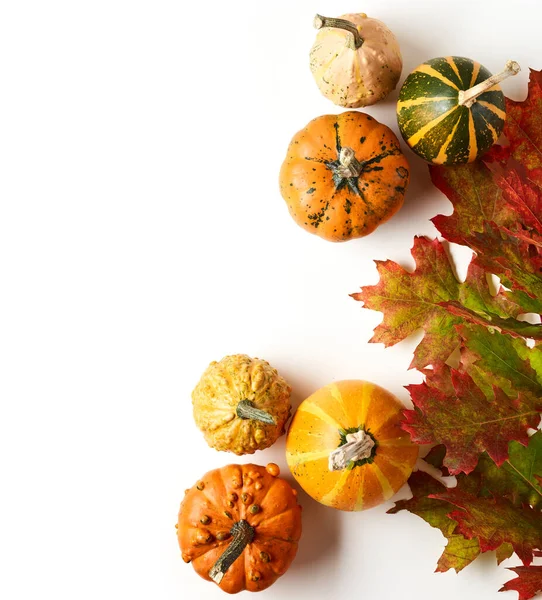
{"points": [[241, 404], [451, 110], [346, 448], [239, 526], [355, 60], [343, 176]]}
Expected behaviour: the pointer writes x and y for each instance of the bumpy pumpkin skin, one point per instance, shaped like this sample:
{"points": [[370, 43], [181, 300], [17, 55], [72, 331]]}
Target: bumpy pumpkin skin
{"points": [[356, 77], [315, 432], [433, 123], [234, 490], [222, 386], [336, 208]]}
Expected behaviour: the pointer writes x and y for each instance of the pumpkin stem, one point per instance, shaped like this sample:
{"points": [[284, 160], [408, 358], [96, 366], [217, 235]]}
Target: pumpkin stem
{"points": [[359, 445], [243, 534], [354, 42], [349, 164], [247, 410], [468, 97]]}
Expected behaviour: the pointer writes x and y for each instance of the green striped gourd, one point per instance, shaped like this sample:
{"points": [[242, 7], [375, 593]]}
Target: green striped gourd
{"points": [[451, 109]]}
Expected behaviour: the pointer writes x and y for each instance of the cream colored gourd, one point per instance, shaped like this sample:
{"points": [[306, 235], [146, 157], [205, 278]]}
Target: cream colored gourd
{"points": [[356, 61]]}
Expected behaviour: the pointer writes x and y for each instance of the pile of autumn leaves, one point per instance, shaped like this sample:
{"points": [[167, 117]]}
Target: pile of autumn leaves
{"points": [[480, 414]]}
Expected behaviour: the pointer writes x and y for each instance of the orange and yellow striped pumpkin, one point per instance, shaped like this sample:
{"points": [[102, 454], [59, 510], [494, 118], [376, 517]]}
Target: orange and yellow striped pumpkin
{"points": [[330, 419]]}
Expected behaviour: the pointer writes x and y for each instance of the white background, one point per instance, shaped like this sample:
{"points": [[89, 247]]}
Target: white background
{"points": [[142, 235]]}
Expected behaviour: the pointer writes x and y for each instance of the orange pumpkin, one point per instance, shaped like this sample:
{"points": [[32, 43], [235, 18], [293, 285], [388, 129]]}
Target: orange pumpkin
{"points": [[346, 448], [343, 176], [239, 526]]}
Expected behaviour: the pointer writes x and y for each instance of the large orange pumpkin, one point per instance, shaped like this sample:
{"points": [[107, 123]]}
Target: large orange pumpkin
{"points": [[239, 526], [343, 176], [346, 448]]}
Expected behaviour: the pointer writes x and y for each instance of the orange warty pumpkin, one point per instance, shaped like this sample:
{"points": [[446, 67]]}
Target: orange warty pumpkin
{"points": [[343, 176], [346, 448], [239, 526]]}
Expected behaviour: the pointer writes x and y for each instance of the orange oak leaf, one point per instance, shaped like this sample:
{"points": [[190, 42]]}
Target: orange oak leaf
{"points": [[422, 299]]}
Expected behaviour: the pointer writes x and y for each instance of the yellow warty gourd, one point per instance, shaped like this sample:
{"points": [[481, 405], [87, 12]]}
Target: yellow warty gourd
{"points": [[241, 404]]}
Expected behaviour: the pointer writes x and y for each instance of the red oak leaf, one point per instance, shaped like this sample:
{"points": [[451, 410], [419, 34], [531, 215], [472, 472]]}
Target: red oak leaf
{"points": [[459, 551], [496, 521], [521, 195], [468, 422], [506, 254], [523, 128], [528, 582], [476, 198]]}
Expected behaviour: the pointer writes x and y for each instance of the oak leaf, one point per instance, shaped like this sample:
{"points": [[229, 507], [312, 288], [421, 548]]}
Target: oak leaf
{"points": [[518, 479], [459, 551], [528, 582], [476, 199], [523, 128], [496, 521], [427, 298], [468, 422]]}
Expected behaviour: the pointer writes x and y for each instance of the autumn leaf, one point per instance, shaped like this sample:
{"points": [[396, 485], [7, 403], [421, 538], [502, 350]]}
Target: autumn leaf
{"points": [[459, 551], [495, 521], [512, 326], [468, 422], [497, 204], [476, 198], [478, 416], [470, 512], [527, 303], [518, 479], [502, 252], [435, 458], [422, 299], [522, 196], [528, 582], [495, 359], [523, 128]]}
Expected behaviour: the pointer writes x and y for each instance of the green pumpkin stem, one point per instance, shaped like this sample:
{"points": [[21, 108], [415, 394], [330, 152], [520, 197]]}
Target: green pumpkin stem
{"points": [[247, 410], [468, 97], [354, 42], [243, 534]]}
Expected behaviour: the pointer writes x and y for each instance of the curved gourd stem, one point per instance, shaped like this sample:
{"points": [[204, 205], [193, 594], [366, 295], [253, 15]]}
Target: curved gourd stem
{"points": [[355, 42], [468, 97], [247, 410], [243, 534], [358, 446], [349, 165]]}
